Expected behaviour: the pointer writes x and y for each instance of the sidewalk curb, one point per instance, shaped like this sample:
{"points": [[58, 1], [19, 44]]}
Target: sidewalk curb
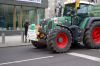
{"points": [[13, 45]]}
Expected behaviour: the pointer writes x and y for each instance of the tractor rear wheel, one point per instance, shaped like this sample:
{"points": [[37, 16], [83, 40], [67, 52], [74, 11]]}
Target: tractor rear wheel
{"points": [[38, 45], [92, 36], [59, 40]]}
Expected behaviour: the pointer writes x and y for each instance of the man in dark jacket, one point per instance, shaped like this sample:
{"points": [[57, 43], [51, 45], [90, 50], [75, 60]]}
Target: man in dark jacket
{"points": [[26, 30]]}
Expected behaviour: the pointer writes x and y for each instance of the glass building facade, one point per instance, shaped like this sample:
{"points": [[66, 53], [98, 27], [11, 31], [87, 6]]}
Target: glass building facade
{"points": [[14, 13]]}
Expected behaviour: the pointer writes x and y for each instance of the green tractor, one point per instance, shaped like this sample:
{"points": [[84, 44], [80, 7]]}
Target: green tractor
{"points": [[74, 26]]}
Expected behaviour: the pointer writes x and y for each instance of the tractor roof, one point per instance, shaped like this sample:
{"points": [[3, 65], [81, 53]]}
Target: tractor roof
{"points": [[82, 2]]}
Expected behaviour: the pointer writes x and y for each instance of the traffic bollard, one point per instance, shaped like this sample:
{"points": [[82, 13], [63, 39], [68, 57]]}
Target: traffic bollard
{"points": [[22, 37], [3, 38]]}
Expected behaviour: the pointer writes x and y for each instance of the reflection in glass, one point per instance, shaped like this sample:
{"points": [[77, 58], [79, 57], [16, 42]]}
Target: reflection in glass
{"points": [[6, 17]]}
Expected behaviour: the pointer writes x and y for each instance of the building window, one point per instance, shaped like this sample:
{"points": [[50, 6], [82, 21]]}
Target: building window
{"points": [[6, 17], [42, 13], [29, 14], [13, 17]]}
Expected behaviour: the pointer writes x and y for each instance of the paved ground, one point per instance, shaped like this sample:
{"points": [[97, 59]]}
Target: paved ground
{"points": [[14, 40], [30, 56]]}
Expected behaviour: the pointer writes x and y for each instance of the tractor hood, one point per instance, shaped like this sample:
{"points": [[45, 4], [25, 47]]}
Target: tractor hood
{"points": [[46, 25], [51, 22], [61, 20]]}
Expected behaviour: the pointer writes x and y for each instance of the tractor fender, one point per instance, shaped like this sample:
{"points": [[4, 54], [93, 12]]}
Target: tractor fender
{"points": [[92, 20], [66, 27]]}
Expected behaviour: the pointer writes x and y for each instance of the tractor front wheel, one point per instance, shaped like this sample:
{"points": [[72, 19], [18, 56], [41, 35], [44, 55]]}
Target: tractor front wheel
{"points": [[92, 36], [59, 40]]}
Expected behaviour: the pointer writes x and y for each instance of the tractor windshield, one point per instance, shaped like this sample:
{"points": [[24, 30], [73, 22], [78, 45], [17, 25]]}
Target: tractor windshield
{"points": [[83, 9], [68, 9]]}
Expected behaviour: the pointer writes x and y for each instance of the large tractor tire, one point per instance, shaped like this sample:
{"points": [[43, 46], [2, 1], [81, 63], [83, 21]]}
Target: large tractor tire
{"points": [[59, 40], [92, 36], [39, 45]]}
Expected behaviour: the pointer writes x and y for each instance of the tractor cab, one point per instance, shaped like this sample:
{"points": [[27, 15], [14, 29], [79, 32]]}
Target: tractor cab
{"points": [[84, 8], [79, 14]]}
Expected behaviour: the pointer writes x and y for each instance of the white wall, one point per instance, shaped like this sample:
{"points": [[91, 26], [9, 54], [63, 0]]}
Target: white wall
{"points": [[50, 11]]}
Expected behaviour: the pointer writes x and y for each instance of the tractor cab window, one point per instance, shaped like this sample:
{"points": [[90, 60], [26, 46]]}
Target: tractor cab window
{"points": [[69, 9], [83, 9]]}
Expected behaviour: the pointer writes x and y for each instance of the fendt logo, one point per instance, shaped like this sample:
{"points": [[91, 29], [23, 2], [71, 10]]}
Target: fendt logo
{"points": [[35, 1]]}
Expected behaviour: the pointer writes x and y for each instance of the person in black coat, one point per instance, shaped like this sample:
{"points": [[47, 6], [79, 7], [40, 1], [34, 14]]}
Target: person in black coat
{"points": [[26, 30]]}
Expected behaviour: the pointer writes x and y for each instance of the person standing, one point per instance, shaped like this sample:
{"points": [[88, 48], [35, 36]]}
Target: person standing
{"points": [[26, 30]]}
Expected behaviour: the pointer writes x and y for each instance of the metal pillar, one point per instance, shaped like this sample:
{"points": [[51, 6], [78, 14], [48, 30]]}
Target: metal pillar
{"points": [[22, 37], [38, 16], [3, 38]]}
